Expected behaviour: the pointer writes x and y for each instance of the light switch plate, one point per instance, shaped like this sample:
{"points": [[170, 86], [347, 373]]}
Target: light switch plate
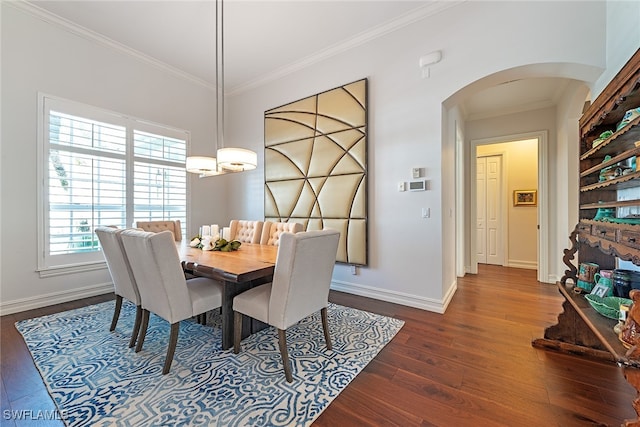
{"points": [[401, 186], [415, 173]]}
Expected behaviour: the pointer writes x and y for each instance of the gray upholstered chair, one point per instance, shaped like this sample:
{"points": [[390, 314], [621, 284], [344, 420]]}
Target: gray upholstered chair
{"points": [[157, 226], [164, 290], [271, 231], [300, 287], [124, 283], [245, 231]]}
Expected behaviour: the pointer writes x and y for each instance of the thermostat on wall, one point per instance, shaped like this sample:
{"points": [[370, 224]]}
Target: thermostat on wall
{"points": [[418, 185]]}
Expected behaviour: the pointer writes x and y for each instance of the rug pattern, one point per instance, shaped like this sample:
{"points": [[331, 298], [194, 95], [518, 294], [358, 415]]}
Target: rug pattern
{"points": [[96, 380]]}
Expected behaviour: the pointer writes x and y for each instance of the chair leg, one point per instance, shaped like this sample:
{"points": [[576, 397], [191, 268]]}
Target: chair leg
{"points": [[325, 327], [237, 331], [173, 340], [116, 313], [143, 330], [136, 326], [282, 343]]}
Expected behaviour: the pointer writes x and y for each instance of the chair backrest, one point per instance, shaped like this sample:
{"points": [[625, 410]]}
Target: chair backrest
{"points": [[118, 264], [156, 267], [271, 231], [158, 226], [302, 275], [245, 231]]}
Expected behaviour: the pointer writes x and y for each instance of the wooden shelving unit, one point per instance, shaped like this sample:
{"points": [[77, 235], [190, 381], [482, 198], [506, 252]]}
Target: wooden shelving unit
{"points": [[580, 329]]}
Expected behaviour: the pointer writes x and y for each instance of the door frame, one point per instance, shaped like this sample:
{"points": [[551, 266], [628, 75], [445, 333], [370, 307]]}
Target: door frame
{"points": [[543, 196], [504, 231]]}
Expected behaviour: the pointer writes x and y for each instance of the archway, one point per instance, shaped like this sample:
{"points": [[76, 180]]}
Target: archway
{"points": [[558, 165]]}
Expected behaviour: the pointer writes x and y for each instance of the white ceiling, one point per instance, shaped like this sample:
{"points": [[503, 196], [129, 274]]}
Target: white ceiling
{"points": [[264, 39]]}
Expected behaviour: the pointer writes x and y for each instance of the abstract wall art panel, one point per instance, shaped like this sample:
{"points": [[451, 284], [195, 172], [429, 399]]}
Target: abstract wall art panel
{"points": [[316, 166]]}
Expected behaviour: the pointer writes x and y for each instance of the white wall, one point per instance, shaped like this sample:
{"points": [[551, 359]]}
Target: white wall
{"points": [[565, 213], [412, 259], [623, 38], [40, 57]]}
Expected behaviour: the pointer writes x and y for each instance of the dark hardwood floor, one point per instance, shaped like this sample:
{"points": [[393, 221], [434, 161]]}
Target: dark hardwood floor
{"points": [[472, 366]]}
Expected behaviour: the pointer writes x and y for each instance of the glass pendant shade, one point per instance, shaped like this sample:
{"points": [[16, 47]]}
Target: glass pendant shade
{"points": [[202, 165], [237, 159]]}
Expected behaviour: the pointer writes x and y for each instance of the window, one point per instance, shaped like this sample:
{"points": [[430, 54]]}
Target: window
{"points": [[102, 168]]}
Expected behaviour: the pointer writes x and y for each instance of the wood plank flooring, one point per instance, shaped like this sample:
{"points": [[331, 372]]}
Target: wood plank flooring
{"points": [[472, 366]]}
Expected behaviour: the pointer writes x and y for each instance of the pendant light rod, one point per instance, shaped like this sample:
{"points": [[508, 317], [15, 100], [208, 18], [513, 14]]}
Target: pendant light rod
{"points": [[219, 74], [203, 165]]}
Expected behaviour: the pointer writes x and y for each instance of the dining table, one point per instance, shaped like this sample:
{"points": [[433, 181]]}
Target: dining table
{"points": [[249, 266]]}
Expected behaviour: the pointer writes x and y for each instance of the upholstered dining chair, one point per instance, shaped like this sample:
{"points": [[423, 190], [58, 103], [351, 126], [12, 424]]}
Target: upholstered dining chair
{"points": [[271, 231], [245, 231], [124, 283], [157, 226], [300, 287], [164, 290], [173, 226]]}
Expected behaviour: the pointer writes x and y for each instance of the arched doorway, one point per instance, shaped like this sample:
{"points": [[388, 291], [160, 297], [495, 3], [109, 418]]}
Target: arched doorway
{"points": [[557, 160]]}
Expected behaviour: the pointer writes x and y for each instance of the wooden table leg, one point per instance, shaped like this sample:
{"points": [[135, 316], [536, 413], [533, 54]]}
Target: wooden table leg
{"points": [[230, 290]]}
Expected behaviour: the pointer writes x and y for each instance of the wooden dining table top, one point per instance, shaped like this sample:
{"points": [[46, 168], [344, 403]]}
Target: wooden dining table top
{"points": [[251, 261]]}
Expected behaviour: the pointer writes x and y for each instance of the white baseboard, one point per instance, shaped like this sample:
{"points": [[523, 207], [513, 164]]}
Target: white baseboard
{"points": [[23, 304], [529, 265], [553, 278], [429, 304]]}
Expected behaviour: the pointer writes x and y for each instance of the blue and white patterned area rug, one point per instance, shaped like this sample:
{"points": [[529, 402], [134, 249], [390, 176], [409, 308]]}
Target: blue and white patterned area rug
{"points": [[96, 380]]}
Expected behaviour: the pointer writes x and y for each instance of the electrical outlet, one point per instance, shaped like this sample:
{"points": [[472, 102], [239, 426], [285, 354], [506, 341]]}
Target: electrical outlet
{"points": [[401, 186], [354, 270]]}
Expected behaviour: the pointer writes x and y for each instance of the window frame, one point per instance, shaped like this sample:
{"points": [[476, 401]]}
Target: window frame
{"points": [[54, 265]]}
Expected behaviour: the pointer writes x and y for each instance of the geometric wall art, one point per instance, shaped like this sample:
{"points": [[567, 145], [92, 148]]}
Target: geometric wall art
{"points": [[316, 166]]}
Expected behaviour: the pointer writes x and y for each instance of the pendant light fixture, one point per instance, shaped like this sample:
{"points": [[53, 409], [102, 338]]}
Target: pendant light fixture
{"points": [[229, 159]]}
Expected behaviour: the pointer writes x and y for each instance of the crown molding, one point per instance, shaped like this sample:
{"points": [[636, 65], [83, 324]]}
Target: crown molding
{"points": [[93, 36], [360, 39], [338, 48]]}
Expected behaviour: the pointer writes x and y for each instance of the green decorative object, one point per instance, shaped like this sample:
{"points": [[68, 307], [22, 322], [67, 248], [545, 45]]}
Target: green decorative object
{"points": [[604, 135], [608, 172], [604, 214], [607, 306], [224, 245], [629, 116]]}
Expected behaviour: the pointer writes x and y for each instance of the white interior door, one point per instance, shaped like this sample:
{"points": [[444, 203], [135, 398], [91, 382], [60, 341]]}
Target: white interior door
{"points": [[481, 210], [495, 252], [489, 210]]}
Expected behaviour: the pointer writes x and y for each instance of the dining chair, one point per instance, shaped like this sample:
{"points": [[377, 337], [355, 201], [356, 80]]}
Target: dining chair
{"points": [[157, 226], [124, 283], [300, 287], [271, 231], [164, 290], [245, 231]]}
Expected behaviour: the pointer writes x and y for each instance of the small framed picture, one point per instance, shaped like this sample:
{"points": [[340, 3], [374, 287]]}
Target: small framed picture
{"points": [[600, 290], [525, 198]]}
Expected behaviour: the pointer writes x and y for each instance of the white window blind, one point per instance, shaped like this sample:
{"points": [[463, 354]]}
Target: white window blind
{"points": [[102, 168], [159, 189]]}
